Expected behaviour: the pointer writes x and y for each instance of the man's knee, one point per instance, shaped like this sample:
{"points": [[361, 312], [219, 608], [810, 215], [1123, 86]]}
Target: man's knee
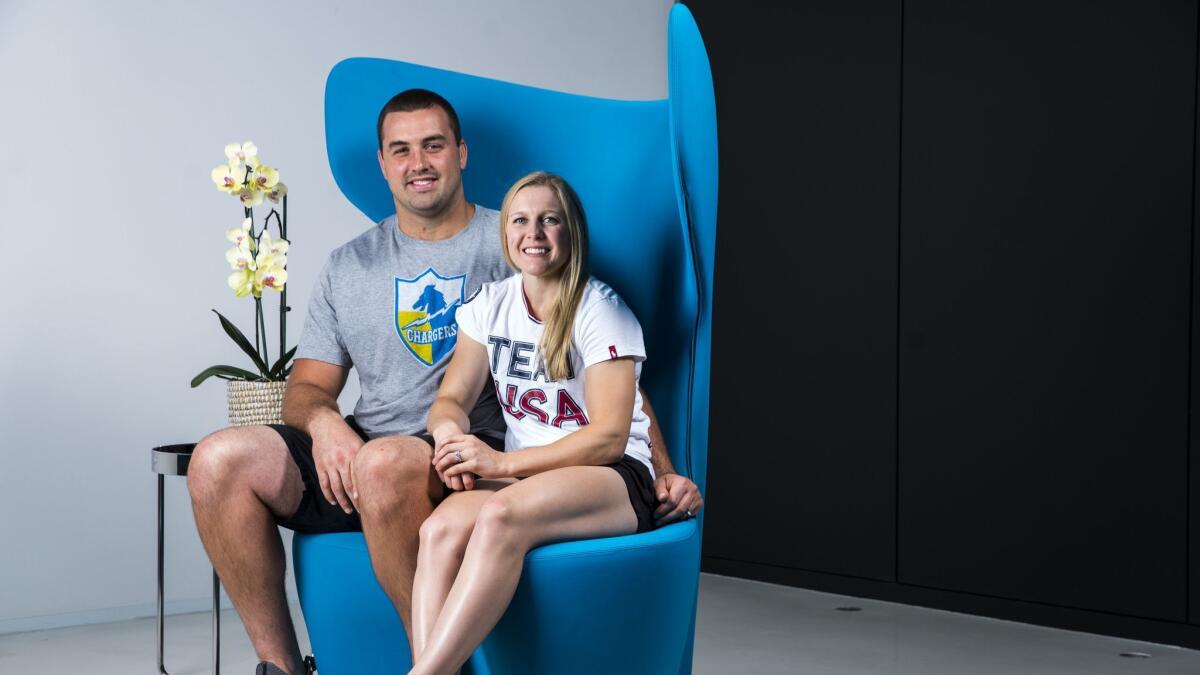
{"points": [[214, 462], [394, 468], [221, 461]]}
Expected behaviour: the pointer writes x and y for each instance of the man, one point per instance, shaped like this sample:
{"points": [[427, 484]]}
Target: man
{"points": [[385, 304]]}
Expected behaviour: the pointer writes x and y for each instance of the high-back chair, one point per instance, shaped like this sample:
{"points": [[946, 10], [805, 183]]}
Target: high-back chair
{"points": [[646, 172]]}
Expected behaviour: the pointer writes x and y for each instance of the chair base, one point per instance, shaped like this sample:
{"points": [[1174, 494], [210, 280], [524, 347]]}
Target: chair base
{"points": [[619, 604]]}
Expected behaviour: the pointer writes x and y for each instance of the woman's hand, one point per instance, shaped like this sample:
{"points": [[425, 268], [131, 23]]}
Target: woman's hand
{"points": [[465, 454]]}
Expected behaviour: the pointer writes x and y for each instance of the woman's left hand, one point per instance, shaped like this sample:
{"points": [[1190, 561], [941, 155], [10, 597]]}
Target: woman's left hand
{"points": [[466, 454]]}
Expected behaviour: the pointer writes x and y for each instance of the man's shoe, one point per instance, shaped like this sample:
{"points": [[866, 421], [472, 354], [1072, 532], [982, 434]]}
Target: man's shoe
{"points": [[268, 668]]}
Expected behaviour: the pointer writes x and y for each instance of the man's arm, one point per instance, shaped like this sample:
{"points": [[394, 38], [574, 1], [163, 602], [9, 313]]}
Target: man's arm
{"points": [[310, 404], [678, 497]]}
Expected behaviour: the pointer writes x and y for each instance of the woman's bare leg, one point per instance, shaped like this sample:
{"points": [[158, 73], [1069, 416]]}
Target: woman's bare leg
{"points": [[443, 540], [571, 503]]}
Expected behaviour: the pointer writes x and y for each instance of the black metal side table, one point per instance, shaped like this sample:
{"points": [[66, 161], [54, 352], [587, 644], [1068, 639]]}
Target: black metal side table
{"points": [[172, 460]]}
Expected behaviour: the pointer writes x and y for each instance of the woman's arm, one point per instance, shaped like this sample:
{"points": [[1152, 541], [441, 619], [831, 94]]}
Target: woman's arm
{"points": [[608, 390], [461, 386]]}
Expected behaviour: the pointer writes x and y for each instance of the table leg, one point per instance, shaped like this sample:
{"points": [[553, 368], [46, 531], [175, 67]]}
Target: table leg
{"points": [[162, 670], [216, 628]]}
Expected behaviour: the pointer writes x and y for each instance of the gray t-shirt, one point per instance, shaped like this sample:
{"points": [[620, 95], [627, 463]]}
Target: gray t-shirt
{"points": [[386, 304]]}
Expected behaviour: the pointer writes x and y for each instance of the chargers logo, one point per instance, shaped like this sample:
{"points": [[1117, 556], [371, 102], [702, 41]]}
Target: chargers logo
{"points": [[425, 314]]}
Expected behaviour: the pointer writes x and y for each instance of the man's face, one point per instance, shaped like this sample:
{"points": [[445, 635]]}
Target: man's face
{"points": [[421, 162]]}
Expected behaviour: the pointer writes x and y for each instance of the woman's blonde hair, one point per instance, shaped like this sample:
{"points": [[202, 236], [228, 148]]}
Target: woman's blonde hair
{"points": [[555, 346]]}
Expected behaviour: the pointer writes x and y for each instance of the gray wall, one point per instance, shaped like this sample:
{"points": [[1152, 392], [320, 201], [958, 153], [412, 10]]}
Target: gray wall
{"points": [[113, 114]]}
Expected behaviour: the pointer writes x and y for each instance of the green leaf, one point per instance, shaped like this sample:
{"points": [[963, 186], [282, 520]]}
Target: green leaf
{"points": [[277, 369], [241, 341], [225, 373]]}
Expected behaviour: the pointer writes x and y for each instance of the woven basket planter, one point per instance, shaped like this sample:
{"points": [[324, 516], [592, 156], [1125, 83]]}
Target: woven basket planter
{"points": [[255, 402]]}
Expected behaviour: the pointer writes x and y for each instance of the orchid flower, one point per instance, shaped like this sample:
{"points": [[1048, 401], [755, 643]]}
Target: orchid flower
{"points": [[243, 153], [251, 196], [238, 235], [276, 193], [264, 177], [271, 246], [242, 282], [229, 178]]}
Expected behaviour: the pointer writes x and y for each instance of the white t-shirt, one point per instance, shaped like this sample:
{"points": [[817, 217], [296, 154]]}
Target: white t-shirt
{"points": [[538, 411]]}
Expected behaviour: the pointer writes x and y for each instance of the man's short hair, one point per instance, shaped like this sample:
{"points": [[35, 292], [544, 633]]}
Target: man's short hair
{"points": [[411, 100]]}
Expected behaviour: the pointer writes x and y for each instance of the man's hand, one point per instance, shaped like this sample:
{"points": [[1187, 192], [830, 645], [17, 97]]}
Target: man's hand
{"points": [[334, 446], [441, 436], [678, 498]]}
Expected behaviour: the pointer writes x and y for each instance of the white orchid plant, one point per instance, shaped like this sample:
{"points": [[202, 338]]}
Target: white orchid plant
{"points": [[259, 262]]}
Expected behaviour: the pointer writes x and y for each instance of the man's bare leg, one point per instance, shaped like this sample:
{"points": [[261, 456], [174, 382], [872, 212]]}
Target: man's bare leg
{"points": [[240, 479], [397, 490]]}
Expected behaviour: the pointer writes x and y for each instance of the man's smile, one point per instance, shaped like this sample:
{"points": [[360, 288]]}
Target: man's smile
{"points": [[422, 183]]}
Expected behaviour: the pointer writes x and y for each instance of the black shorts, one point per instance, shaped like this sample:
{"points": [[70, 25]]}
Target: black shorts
{"points": [[315, 515], [641, 490]]}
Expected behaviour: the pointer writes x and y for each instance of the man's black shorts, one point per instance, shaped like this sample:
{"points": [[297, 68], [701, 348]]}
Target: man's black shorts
{"points": [[315, 515], [640, 486]]}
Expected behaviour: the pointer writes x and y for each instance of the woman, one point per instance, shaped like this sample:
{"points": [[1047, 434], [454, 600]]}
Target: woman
{"points": [[565, 355]]}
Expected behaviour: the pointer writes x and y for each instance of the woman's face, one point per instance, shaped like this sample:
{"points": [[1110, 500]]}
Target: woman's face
{"points": [[537, 237]]}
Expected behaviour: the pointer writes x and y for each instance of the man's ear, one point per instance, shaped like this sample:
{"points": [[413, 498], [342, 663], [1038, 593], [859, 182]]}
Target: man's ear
{"points": [[462, 155], [379, 156]]}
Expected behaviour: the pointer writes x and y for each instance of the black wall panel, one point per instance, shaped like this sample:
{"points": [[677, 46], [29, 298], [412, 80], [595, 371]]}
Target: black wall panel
{"points": [[1194, 429], [1045, 273], [802, 444], [954, 370]]}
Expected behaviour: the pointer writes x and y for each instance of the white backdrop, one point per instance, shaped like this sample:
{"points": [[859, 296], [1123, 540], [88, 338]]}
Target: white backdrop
{"points": [[112, 116]]}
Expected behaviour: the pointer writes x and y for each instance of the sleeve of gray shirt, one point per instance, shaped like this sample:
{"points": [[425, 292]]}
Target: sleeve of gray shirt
{"points": [[320, 338]]}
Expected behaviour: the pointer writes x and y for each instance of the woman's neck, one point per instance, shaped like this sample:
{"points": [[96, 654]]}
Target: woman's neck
{"points": [[540, 294]]}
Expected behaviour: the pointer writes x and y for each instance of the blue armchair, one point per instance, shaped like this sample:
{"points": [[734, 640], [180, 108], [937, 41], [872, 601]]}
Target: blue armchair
{"points": [[647, 174]]}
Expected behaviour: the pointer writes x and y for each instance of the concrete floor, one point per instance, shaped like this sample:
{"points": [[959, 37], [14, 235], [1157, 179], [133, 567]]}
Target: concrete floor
{"points": [[743, 627]]}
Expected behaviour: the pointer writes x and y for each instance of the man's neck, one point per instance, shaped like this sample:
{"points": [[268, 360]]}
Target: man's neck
{"points": [[434, 228]]}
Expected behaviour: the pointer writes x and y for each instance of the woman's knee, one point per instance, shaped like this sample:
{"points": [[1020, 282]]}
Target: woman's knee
{"points": [[445, 534], [500, 520]]}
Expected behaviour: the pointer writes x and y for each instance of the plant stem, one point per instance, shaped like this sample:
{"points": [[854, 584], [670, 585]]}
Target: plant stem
{"points": [[283, 308], [261, 323], [283, 320], [279, 224], [258, 337]]}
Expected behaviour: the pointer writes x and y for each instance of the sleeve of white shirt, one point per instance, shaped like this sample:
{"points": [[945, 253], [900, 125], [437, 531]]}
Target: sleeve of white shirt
{"points": [[608, 330], [471, 315]]}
